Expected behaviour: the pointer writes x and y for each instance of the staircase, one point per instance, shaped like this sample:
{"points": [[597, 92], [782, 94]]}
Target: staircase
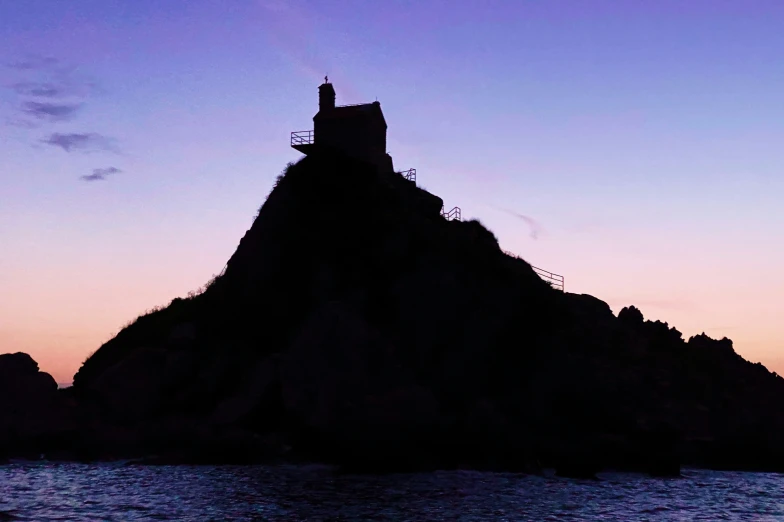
{"points": [[453, 215], [456, 214], [409, 175]]}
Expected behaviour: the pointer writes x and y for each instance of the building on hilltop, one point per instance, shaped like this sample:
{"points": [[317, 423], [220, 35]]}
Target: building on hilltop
{"points": [[358, 130]]}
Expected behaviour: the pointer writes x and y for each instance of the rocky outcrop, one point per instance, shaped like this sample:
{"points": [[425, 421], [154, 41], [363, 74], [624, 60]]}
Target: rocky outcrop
{"points": [[32, 414], [355, 325]]}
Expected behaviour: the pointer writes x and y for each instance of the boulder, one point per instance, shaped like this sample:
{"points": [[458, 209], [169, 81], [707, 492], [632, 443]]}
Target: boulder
{"points": [[32, 415], [16, 366]]}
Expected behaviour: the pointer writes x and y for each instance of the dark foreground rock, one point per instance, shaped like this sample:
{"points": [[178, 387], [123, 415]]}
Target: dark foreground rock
{"points": [[33, 417], [356, 326]]}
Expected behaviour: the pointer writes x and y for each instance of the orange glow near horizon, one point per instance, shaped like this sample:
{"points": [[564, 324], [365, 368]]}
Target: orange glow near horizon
{"points": [[644, 144], [61, 312]]}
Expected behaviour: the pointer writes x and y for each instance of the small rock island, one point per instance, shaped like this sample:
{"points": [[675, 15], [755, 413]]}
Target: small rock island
{"points": [[358, 324]]}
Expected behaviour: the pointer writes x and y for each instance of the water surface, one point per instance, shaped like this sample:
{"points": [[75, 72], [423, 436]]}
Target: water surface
{"points": [[73, 492]]}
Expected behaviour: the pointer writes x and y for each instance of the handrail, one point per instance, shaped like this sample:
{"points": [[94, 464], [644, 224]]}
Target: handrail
{"points": [[556, 280], [302, 138], [455, 214], [409, 174]]}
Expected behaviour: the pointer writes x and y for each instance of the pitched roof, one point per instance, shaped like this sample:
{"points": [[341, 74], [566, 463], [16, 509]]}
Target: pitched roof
{"points": [[353, 111]]}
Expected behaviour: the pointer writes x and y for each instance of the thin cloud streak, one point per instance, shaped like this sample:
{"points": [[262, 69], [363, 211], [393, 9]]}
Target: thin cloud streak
{"points": [[100, 174], [50, 111], [39, 89], [49, 90], [534, 228], [292, 32], [83, 142], [32, 63]]}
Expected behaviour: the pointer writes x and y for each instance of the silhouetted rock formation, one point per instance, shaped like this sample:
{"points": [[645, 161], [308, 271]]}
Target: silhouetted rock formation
{"points": [[354, 325], [32, 414]]}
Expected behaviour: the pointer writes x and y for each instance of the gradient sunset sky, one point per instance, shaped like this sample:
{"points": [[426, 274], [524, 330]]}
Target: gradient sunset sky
{"points": [[635, 147]]}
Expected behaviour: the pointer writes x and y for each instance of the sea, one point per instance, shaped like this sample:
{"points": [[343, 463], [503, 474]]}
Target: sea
{"points": [[42, 492]]}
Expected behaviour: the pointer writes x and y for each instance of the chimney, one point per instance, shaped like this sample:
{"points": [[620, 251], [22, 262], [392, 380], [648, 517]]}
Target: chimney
{"points": [[326, 97]]}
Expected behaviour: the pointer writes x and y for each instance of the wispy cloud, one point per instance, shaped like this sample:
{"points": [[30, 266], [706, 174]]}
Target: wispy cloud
{"points": [[288, 31], [50, 91], [534, 228], [292, 29], [32, 63], [277, 6], [22, 123], [100, 174], [49, 111], [81, 141], [40, 89]]}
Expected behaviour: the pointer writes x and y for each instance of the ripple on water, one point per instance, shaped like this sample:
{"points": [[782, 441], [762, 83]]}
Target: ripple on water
{"points": [[74, 492]]}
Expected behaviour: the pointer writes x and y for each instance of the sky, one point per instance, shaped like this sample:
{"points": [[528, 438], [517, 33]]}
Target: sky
{"points": [[634, 147]]}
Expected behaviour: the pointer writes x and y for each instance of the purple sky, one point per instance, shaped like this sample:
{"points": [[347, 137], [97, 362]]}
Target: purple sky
{"points": [[641, 142]]}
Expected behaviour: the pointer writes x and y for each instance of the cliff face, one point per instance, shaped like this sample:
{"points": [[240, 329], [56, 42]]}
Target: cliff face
{"points": [[355, 325]]}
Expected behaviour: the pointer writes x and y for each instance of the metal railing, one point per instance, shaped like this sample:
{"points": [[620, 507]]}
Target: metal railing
{"points": [[409, 174], [302, 138], [453, 215], [555, 280]]}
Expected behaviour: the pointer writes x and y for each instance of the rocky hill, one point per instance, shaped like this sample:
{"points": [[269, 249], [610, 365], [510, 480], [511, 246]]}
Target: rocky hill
{"points": [[354, 325]]}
